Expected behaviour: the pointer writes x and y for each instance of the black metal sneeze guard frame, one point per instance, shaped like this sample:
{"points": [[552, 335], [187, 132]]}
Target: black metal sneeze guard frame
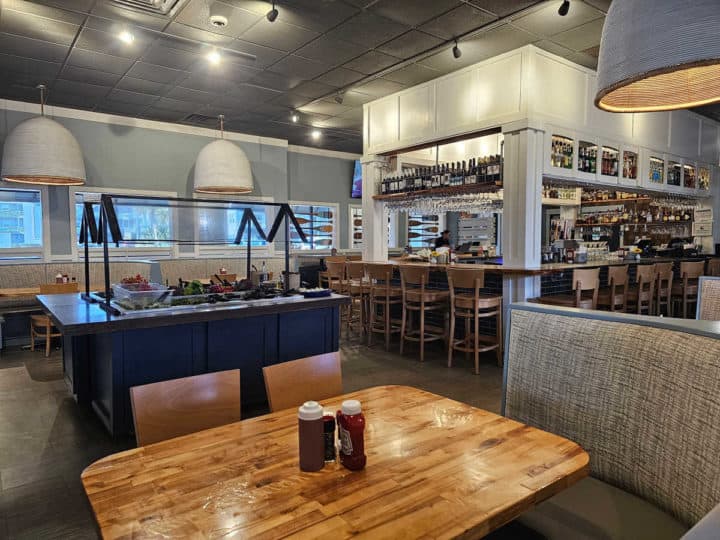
{"points": [[108, 231]]}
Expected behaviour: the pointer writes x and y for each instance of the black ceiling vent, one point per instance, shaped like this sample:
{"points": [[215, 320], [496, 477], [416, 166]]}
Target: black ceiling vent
{"points": [[157, 7], [200, 119]]}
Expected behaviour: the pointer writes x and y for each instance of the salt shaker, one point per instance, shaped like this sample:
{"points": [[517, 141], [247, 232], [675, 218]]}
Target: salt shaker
{"points": [[311, 436]]}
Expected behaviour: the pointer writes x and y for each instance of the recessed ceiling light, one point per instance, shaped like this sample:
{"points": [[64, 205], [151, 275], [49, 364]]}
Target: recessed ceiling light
{"points": [[218, 21], [316, 133], [214, 57], [126, 37], [294, 117]]}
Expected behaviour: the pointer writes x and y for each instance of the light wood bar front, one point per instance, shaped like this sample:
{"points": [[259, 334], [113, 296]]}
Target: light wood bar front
{"points": [[436, 468]]}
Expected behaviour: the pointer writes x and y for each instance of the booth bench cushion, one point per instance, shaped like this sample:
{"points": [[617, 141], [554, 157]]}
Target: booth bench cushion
{"points": [[641, 400]]}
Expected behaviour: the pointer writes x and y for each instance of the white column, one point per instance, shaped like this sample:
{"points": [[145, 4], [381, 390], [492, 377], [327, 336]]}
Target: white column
{"points": [[375, 234], [522, 211]]}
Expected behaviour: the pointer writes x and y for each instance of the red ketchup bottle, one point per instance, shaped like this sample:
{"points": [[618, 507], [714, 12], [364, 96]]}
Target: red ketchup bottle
{"points": [[351, 427]]}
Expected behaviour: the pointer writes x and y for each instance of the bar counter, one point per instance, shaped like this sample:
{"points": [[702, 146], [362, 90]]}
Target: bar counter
{"points": [[104, 355]]}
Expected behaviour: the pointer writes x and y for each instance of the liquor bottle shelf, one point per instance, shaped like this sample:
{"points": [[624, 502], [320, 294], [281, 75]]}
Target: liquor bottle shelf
{"points": [[643, 224], [614, 201], [441, 191]]}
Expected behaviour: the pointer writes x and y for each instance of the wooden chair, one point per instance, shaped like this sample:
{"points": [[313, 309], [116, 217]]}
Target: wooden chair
{"points": [[168, 409], [323, 274], [40, 325], [613, 297], [290, 384], [685, 292], [418, 299], [336, 279], [663, 288], [473, 306], [713, 267], [383, 296], [585, 286], [358, 288], [640, 295]]}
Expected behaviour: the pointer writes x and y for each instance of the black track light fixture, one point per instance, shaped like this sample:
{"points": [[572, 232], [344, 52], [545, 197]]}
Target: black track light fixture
{"points": [[457, 53], [339, 98], [564, 8], [273, 13]]}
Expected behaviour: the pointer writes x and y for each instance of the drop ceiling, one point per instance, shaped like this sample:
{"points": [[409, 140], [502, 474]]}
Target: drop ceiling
{"points": [[316, 48]]}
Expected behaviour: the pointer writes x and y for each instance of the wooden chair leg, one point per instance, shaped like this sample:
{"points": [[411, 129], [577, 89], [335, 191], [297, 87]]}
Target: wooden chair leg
{"points": [[48, 339], [476, 345], [499, 327], [403, 329], [386, 314], [451, 341], [422, 333], [371, 324], [32, 337]]}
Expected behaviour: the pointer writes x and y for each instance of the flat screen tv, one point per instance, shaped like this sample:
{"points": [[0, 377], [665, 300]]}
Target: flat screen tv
{"points": [[357, 181]]}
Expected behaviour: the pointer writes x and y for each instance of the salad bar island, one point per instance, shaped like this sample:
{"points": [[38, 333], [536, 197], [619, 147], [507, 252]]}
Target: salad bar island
{"points": [[104, 354]]}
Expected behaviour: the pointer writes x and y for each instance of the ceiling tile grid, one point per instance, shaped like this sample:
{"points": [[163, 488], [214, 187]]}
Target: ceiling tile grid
{"points": [[321, 58]]}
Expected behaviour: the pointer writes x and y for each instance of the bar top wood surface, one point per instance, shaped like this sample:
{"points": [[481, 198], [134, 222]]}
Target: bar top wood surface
{"points": [[436, 468]]}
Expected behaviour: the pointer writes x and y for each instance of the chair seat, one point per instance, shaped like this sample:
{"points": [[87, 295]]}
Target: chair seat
{"points": [[605, 298], [566, 300], [485, 301], [379, 291], [677, 289], [427, 295], [357, 287], [40, 320], [592, 509]]}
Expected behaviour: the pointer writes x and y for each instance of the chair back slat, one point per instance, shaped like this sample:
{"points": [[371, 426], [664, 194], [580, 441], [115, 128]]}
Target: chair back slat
{"points": [[692, 270], [379, 271], [466, 278], [586, 279], [290, 384], [414, 275], [618, 275], [59, 288], [713, 267], [355, 269], [336, 269], [168, 409], [645, 274]]}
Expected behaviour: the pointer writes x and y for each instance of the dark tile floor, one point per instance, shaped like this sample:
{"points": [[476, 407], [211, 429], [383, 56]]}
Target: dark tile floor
{"points": [[46, 440]]}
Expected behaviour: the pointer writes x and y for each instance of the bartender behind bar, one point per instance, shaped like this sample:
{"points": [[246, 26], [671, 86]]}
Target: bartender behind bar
{"points": [[443, 240]]}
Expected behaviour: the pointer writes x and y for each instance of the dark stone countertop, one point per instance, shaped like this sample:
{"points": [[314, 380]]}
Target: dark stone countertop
{"points": [[73, 316]]}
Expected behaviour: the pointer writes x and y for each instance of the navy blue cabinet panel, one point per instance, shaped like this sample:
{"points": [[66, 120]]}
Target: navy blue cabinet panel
{"points": [[247, 344], [307, 333]]}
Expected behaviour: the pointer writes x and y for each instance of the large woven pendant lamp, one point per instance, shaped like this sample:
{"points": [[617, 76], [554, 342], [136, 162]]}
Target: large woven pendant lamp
{"points": [[658, 55], [222, 167], [41, 151]]}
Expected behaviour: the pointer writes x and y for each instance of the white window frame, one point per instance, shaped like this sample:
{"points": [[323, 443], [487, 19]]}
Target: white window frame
{"points": [[44, 252], [336, 225], [231, 251], [351, 227], [78, 253]]}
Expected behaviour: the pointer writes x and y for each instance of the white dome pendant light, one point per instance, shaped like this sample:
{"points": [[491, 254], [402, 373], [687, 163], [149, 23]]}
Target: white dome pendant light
{"points": [[659, 55], [222, 167], [41, 151]]}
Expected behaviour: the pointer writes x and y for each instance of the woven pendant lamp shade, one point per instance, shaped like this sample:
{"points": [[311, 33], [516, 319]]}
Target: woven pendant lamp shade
{"points": [[41, 151], [222, 167], [658, 55]]}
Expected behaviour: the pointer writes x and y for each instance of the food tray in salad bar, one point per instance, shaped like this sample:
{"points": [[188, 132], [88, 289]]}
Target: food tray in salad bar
{"points": [[139, 295]]}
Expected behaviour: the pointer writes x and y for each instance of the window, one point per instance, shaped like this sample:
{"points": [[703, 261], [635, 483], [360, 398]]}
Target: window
{"points": [[151, 223], [423, 229], [21, 220], [318, 222], [356, 227]]}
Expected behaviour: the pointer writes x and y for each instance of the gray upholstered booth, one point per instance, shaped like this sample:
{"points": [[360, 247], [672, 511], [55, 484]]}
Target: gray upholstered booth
{"points": [[708, 304], [641, 395]]}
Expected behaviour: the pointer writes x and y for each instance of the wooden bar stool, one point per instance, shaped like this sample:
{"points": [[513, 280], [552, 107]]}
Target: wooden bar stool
{"points": [[685, 292], [613, 297], [323, 274], [640, 295], [381, 299], [663, 288], [473, 306], [713, 267], [359, 291], [41, 326], [417, 298], [336, 278], [585, 286]]}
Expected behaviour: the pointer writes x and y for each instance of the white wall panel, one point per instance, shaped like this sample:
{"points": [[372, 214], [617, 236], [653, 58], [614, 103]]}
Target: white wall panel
{"points": [[383, 122], [651, 129], [457, 101], [559, 90], [684, 134], [709, 143], [495, 100], [614, 125], [417, 114]]}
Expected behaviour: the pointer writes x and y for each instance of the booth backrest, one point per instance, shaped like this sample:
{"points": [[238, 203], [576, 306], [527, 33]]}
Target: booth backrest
{"points": [[708, 306], [639, 394]]}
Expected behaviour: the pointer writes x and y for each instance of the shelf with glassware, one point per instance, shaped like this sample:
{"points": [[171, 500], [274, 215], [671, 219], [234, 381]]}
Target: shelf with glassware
{"points": [[473, 176]]}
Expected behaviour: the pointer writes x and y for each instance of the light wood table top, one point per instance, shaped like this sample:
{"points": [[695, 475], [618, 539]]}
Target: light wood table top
{"points": [[436, 468], [34, 291]]}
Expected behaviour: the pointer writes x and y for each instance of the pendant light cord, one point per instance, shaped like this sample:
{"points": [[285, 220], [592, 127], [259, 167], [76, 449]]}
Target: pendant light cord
{"points": [[42, 89], [221, 118]]}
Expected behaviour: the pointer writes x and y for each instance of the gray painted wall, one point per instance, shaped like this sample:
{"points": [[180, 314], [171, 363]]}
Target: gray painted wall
{"points": [[141, 158]]}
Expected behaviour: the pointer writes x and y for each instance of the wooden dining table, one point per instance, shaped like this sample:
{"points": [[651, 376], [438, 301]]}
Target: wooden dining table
{"points": [[436, 468]]}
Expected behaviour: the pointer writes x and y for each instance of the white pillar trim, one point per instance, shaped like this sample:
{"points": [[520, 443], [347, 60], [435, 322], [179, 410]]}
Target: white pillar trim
{"points": [[375, 233]]}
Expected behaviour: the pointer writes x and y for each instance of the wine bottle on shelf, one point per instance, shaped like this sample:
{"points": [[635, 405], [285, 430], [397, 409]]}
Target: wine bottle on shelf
{"points": [[471, 178], [446, 176]]}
